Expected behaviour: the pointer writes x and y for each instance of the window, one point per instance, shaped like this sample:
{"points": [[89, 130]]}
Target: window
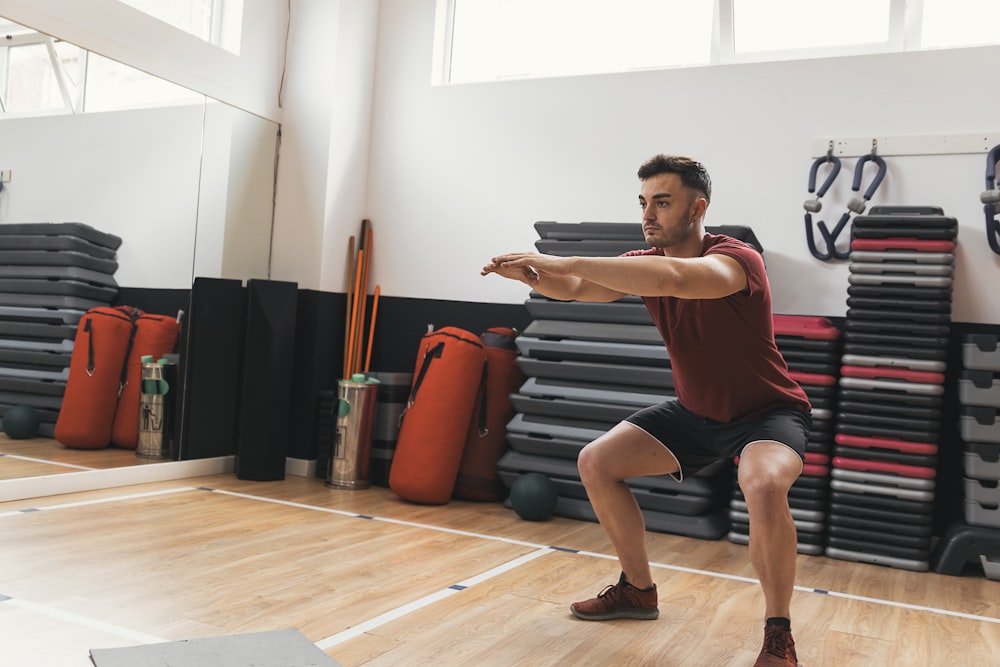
{"points": [[39, 74], [491, 40], [42, 75], [216, 21], [781, 25], [508, 39], [953, 23]]}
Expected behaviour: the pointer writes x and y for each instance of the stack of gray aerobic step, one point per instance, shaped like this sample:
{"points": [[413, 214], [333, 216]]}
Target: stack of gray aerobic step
{"points": [[50, 275], [589, 365]]}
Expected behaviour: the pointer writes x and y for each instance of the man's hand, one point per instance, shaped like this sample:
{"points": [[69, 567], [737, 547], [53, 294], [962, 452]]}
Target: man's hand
{"points": [[526, 267]]}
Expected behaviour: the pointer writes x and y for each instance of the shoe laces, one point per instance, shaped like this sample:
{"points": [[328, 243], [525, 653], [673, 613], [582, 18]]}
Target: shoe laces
{"points": [[776, 641], [611, 591]]}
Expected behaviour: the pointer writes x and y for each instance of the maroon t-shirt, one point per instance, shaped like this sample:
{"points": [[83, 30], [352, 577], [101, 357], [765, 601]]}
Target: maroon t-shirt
{"points": [[725, 363]]}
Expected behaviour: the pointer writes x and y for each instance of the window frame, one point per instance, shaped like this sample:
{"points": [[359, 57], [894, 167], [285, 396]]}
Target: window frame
{"points": [[904, 35]]}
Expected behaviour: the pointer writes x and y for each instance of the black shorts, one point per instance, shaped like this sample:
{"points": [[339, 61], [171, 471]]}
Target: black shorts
{"points": [[697, 442]]}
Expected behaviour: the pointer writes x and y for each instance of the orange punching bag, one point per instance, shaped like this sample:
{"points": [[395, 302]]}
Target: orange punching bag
{"points": [[96, 375], [486, 440], [435, 422], [155, 336]]}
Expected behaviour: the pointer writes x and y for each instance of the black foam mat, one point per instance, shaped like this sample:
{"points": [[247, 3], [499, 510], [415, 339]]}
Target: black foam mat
{"points": [[55, 243], [593, 391], [876, 539], [885, 455], [918, 554], [612, 373], [78, 229], [50, 301], [14, 358], [887, 232], [41, 315], [888, 526], [901, 292], [37, 401], [73, 273], [59, 287], [859, 410], [19, 385], [610, 332], [888, 313], [31, 331], [892, 398], [879, 327], [865, 303], [794, 343], [622, 311], [607, 413], [596, 351], [553, 427], [913, 564], [871, 515], [60, 258], [871, 418], [888, 432]]}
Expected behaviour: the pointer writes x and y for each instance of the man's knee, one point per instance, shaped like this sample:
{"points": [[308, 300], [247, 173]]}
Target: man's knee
{"points": [[588, 464]]}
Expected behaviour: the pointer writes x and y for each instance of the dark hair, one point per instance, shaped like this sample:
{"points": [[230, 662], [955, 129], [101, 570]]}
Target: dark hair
{"points": [[693, 174]]}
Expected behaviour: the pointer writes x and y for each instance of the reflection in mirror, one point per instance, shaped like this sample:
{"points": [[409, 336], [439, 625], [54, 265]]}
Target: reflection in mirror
{"points": [[185, 182]]}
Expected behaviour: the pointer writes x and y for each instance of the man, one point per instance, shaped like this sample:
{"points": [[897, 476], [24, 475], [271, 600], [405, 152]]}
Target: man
{"points": [[710, 300]]}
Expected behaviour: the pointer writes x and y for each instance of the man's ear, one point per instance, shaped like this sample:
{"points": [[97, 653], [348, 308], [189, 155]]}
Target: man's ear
{"points": [[700, 206]]}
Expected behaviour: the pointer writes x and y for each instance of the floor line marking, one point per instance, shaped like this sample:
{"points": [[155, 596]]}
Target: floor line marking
{"points": [[82, 620], [97, 501], [420, 603], [55, 463], [400, 522]]}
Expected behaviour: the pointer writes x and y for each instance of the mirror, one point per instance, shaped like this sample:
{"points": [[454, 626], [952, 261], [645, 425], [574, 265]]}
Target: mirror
{"points": [[189, 190]]}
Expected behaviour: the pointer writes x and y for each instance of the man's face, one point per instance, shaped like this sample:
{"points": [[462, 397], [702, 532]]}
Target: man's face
{"points": [[669, 213]]}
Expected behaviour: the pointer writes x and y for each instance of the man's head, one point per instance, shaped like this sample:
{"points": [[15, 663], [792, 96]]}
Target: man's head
{"points": [[693, 174], [674, 195]]}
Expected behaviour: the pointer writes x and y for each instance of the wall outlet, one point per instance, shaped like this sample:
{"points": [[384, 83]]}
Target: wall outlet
{"points": [[6, 175]]}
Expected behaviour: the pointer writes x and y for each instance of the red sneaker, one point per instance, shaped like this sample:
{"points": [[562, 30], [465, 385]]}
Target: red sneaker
{"points": [[778, 650], [621, 600]]}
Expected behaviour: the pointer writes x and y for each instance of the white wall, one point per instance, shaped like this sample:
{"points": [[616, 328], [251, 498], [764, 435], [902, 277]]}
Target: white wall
{"points": [[323, 163], [460, 173]]}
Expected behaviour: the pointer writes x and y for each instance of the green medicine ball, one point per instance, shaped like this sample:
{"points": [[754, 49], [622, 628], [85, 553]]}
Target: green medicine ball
{"points": [[533, 496], [20, 422]]}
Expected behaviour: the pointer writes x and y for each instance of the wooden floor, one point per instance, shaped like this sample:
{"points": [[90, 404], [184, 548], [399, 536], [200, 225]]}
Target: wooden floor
{"points": [[375, 581], [33, 457]]}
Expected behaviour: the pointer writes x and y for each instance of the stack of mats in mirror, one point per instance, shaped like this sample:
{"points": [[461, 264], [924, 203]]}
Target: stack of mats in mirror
{"points": [[588, 366], [50, 275], [891, 387], [811, 347]]}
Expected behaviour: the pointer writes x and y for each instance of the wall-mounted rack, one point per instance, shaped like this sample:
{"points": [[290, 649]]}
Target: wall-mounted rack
{"points": [[930, 144]]}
